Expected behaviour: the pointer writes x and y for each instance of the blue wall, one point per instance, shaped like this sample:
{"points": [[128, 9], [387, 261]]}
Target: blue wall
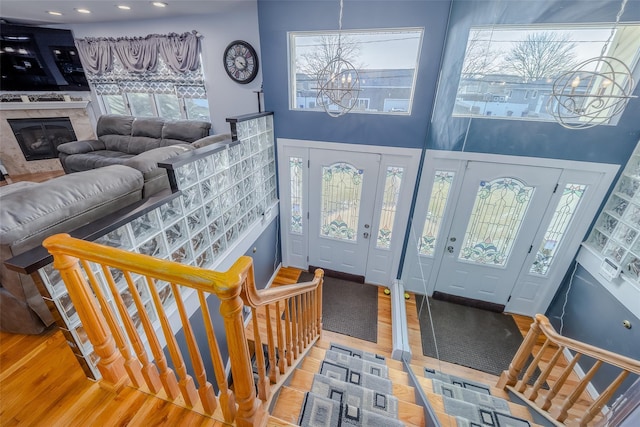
{"points": [[277, 17], [595, 317], [607, 144]]}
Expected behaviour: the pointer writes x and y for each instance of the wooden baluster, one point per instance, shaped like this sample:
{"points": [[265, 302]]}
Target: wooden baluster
{"points": [[205, 389], [273, 376], [263, 381], [227, 400], [294, 326], [300, 309], [575, 394], [303, 311], [307, 300], [522, 384], [510, 376], [603, 398], [314, 317], [280, 337], [250, 412], [111, 363], [532, 393], [557, 386], [288, 325], [131, 364], [186, 384], [149, 370], [319, 274], [167, 376]]}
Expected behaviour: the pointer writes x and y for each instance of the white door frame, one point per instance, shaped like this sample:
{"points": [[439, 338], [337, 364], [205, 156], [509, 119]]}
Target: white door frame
{"points": [[419, 272], [382, 266]]}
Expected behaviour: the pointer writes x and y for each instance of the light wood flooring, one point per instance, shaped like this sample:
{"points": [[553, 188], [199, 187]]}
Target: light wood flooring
{"points": [[41, 383], [33, 177]]}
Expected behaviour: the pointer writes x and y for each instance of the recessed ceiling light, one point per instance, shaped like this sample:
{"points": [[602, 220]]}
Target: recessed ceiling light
{"points": [[53, 12], [159, 4], [83, 11], [124, 7]]}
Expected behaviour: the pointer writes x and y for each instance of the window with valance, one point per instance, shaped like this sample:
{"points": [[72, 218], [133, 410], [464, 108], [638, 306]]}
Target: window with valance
{"points": [[156, 75]]}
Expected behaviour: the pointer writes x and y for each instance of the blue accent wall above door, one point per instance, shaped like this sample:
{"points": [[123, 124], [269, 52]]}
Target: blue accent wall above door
{"points": [[278, 17]]}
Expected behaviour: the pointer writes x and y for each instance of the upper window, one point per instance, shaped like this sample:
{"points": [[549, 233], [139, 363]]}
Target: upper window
{"points": [[386, 62], [508, 71]]}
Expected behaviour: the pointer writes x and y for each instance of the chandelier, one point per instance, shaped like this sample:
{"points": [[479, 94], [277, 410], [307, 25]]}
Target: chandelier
{"points": [[338, 82], [594, 91]]}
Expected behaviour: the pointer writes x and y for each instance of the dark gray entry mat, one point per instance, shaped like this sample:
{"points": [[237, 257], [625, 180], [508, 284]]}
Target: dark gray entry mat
{"points": [[468, 336], [348, 308]]}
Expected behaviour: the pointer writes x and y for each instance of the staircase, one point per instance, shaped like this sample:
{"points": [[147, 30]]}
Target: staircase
{"points": [[321, 362]]}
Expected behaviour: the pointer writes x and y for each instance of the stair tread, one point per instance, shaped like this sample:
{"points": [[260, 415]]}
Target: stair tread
{"points": [[419, 372], [290, 400], [395, 375]]}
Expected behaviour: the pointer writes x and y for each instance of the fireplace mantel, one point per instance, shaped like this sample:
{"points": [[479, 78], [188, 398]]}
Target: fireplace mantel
{"points": [[44, 105]]}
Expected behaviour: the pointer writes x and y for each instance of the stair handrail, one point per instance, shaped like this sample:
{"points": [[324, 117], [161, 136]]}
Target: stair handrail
{"points": [[295, 334], [541, 325], [227, 286], [618, 360]]}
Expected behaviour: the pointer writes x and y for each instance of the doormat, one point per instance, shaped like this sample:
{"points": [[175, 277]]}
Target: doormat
{"points": [[468, 336], [348, 308]]}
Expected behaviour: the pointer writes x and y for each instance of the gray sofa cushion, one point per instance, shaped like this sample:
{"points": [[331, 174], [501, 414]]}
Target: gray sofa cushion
{"points": [[62, 204], [94, 160]]}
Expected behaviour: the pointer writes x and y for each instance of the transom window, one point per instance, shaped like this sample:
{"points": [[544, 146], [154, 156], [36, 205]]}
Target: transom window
{"points": [[509, 71], [386, 62]]}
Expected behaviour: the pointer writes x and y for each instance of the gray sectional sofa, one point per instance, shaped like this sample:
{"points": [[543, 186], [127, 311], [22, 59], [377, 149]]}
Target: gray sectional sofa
{"points": [[31, 212], [139, 142]]}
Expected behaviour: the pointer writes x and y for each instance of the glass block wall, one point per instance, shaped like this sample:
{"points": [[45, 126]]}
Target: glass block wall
{"points": [[221, 192], [616, 233]]}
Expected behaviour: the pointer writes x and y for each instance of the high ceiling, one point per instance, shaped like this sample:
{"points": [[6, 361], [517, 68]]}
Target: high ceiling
{"points": [[35, 12]]}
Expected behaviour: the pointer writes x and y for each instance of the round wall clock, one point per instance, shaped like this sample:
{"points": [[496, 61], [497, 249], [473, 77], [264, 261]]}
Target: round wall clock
{"points": [[241, 61]]}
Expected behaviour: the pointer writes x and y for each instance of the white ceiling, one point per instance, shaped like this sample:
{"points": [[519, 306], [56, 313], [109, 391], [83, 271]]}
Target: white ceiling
{"points": [[35, 11]]}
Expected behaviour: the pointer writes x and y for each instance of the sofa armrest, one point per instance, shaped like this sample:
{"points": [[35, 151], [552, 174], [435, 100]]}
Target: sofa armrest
{"points": [[79, 147], [211, 139], [148, 161]]}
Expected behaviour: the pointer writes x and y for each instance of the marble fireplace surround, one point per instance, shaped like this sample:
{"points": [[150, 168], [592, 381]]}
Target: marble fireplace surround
{"points": [[10, 152]]}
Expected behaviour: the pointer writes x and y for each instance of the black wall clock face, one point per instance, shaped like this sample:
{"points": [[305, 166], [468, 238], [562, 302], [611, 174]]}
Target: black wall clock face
{"points": [[241, 61]]}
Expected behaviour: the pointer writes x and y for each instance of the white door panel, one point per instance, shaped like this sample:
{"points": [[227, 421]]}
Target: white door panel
{"points": [[342, 186], [495, 221]]}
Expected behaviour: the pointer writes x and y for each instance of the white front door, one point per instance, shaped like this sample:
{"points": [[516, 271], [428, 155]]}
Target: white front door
{"points": [[342, 190], [494, 223]]}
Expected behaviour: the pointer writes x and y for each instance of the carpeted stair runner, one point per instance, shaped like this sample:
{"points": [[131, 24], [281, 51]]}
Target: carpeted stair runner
{"points": [[352, 389], [471, 403]]}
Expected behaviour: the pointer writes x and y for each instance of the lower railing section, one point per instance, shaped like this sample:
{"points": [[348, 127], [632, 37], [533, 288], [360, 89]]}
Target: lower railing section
{"points": [[107, 285], [555, 345]]}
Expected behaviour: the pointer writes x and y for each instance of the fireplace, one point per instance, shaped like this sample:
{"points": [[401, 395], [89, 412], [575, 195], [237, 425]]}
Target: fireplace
{"points": [[39, 138]]}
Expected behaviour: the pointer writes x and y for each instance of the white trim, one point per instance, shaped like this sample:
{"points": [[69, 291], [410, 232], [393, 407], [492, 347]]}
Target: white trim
{"points": [[45, 105], [341, 146], [401, 349]]}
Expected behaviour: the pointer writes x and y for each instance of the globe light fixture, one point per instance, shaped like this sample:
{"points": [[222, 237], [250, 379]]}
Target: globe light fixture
{"points": [[595, 91], [338, 82]]}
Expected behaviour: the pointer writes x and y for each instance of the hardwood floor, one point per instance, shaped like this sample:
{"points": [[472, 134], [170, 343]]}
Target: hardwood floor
{"points": [[41, 383], [33, 177]]}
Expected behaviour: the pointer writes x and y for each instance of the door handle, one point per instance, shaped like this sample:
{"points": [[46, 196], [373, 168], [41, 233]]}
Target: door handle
{"points": [[365, 235], [450, 249]]}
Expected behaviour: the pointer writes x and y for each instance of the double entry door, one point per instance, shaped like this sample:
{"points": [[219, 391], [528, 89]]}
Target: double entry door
{"points": [[345, 208], [500, 229]]}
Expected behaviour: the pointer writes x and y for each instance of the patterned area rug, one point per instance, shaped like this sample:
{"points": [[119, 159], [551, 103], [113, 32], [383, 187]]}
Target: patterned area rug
{"points": [[348, 308]]}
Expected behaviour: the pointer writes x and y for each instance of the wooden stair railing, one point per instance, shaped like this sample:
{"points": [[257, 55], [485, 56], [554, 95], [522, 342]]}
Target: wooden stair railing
{"points": [[559, 410], [123, 348], [296, 311]]}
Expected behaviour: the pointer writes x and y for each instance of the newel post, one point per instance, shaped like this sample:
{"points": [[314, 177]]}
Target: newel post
{"points": [[111, 364], [510, 376], [250, 412]]}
